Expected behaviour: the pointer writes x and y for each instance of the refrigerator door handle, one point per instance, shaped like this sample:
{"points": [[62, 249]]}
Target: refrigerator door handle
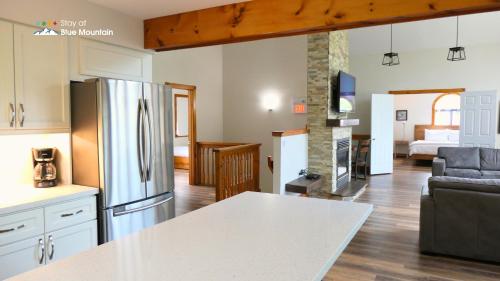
{"points": [[149, 142], [117, 214], [140, 151]]}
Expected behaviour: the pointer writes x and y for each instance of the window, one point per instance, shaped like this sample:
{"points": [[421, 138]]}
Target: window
{"points": [[446, 110]]}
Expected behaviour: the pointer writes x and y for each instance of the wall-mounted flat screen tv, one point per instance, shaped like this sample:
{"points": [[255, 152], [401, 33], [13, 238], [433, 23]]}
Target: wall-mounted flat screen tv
{"points": [[344, 94]]}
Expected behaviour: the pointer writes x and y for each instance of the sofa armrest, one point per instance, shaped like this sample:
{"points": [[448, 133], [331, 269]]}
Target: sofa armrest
{"points": [[438, 166], [426, 234], [478, 185]]}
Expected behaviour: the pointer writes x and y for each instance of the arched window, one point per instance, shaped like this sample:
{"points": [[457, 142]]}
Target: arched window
{"points": [[446, 110]]}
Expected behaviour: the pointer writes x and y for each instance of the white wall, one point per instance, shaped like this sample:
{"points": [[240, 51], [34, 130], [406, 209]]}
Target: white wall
{"points": [[419, 113], [201, 67], [252, 70], [17, 166], [290, 156], [128, 31], [423, 70]]}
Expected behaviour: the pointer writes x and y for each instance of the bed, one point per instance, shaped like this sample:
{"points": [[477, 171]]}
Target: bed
{"points": [[181, 157], [428, 138]]}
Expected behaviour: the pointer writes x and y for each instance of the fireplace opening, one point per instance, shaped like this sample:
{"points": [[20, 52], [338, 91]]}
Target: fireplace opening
{"points": [[343, 147]]}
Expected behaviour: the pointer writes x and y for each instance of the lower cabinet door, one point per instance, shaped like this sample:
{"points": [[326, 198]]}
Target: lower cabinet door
{"points": [[18, 257], [70, 241]]}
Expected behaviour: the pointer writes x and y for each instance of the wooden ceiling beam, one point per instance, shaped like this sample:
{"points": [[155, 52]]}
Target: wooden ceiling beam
{"points": [[261, 19]]}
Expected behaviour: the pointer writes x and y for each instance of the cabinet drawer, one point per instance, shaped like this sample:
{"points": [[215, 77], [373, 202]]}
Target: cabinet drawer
{"points": [[70, 213], [19, 226]]}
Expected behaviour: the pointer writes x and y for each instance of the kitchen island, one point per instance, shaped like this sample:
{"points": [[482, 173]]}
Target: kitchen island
{"points": [[252, 236]]}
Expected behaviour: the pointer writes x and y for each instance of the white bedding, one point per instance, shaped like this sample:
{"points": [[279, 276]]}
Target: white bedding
{"points": [[181, 151], [429, 147]]}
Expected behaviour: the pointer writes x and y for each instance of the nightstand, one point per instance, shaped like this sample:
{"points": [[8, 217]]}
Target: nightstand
{"points": [[398, 143]]}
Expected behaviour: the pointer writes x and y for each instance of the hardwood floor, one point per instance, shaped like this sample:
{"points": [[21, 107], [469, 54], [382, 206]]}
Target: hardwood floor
{"points": [[386, 247], [189, 198]]}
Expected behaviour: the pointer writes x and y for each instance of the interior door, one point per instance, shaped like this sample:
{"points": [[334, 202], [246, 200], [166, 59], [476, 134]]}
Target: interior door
{"points": [[7, 100], [478, 124], [159, 140], [123, 153], [382, 134]]}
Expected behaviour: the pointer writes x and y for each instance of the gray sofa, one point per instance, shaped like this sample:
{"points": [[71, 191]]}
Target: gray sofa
{"points": [[460, 217], [467, 162]]}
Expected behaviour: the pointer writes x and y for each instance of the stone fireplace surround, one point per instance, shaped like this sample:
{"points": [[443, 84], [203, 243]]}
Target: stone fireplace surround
{"points": [[328, 53]]}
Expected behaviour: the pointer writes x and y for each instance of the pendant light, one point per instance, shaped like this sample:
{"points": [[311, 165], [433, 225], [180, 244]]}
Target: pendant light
{"points": [[390, 58], [456, 53]]}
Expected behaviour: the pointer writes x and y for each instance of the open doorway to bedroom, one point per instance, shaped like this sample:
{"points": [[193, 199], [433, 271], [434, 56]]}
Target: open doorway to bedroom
{"points": [[425, 120], [183, 108]]}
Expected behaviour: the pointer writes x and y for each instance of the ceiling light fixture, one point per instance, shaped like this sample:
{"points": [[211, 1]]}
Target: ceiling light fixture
{"points": [[390, 58], [456, 53]]}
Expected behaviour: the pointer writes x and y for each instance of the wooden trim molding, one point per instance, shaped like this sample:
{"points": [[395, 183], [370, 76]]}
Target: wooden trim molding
{"points": [[291, 132], [428, 91], [259, 19], [192, 137]]}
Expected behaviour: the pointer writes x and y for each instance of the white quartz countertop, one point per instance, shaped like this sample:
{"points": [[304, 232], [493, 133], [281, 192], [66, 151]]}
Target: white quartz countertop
{"points": [[14, 198], [252, 236]]}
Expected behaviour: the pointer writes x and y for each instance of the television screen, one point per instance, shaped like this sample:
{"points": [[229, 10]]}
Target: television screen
{"points": [[345, 99]]}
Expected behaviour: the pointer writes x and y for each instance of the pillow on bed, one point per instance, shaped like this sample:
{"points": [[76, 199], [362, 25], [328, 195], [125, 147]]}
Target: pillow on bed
{"points": [[436, 135]]}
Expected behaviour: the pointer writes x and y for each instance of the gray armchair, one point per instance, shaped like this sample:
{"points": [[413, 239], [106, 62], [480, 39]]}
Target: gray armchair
{"points": [[459, 217]]}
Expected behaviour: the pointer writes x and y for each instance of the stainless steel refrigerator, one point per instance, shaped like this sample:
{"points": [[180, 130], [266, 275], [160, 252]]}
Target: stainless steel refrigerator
{"points": [[122, 143]]}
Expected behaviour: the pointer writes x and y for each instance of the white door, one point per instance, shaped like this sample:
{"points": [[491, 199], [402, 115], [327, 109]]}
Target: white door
{"points": [[382, 134], [478, 114], [18, 257], [7, 95], [70, 241], [42, 84]]}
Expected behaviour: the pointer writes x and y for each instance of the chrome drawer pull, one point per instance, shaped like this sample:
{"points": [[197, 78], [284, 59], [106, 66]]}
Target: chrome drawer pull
{"points": [[42, 247], [11, 229], [52, 246], [12, 115], [6, 230], [21, 121], [71, 214]]}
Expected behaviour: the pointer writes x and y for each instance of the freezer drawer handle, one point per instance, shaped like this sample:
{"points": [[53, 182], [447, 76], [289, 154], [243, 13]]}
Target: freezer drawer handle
{"points": [[71, 214], [117, 214]]}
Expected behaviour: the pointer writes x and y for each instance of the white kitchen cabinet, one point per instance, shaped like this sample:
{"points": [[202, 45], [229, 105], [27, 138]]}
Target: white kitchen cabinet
{"points": [[21, 256], [41, 80], [70, 241], [7, 95], [39, 236], [91, 58]]}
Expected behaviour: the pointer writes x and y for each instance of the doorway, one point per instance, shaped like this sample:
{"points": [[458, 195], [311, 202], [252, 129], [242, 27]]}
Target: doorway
{"points": [[184, 110]]}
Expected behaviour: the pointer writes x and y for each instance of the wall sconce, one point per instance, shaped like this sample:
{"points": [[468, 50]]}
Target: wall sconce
{"points": [[270, 100]]}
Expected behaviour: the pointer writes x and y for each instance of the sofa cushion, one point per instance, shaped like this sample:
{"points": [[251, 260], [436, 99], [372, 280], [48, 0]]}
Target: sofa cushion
{"points": [[490, 174], [462, 173], [460, 157], [490, 159], [480, 185]]}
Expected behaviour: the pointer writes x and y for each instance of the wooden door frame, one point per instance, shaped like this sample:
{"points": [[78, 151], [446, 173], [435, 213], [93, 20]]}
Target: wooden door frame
{"points": [[192, 138]]}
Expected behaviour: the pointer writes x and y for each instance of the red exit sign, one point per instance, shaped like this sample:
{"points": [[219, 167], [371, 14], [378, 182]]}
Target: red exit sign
{"points": [[299, 106]]}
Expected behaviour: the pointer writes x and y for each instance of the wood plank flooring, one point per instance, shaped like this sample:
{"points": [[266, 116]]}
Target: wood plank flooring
{"points": [[386, 247]]}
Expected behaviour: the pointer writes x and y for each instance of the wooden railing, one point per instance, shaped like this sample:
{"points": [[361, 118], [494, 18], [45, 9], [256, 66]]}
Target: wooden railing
{"points": [[232, 168]]}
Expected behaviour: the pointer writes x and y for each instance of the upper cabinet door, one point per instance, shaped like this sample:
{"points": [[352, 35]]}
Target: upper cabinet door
{"points": [[7, 95], [41, 80]]}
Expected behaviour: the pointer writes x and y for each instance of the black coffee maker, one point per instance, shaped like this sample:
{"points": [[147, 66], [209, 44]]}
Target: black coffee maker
{"points": [[45, 172]]}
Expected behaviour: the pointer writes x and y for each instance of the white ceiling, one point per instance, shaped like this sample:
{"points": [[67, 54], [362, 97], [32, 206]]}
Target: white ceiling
{"points": [[146, 9], [430, 34]]}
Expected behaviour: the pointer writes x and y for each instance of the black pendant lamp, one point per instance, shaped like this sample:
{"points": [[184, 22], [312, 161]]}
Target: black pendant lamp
{"points": [[390, 58], [456, 53]]}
